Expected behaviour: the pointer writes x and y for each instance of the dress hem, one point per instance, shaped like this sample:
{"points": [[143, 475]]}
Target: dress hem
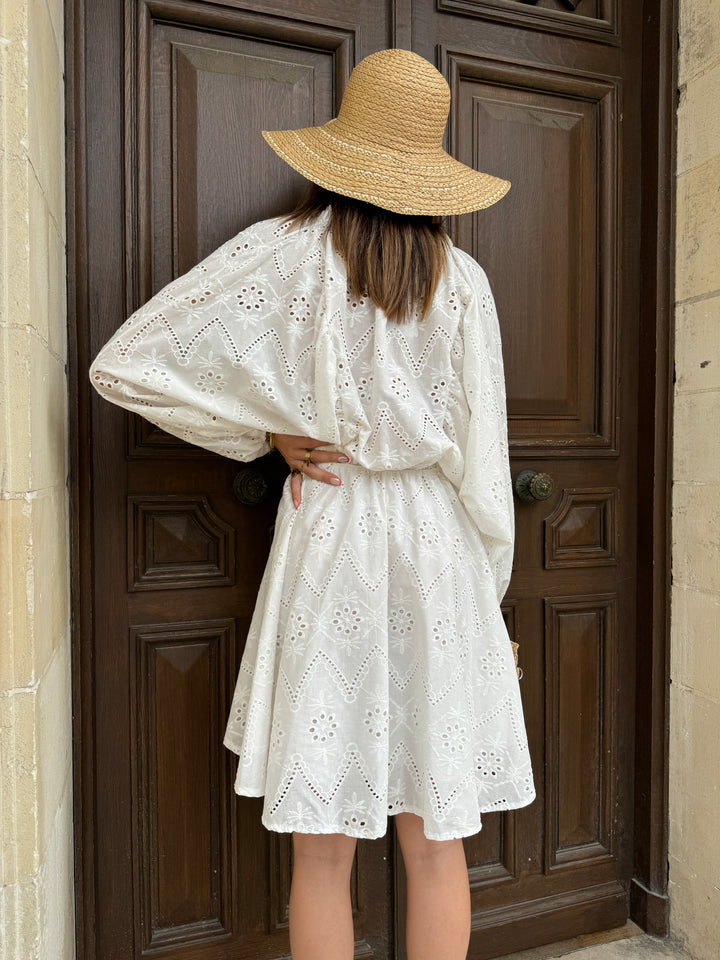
{"points": [[369, 834]]}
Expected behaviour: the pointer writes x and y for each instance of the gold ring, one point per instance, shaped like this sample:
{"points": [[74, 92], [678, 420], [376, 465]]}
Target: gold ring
{"points": [[307, 456]]}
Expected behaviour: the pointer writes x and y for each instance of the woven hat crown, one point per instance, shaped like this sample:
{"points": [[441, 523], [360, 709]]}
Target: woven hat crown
{"points": [[385, 145], [397, 101]]}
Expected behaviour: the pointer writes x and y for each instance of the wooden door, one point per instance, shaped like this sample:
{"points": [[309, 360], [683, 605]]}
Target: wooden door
{"points": [[177, 94], [549, 96], [170, 98]]}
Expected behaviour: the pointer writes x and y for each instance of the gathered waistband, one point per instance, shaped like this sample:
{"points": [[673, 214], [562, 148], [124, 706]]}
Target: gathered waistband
{"points": [[375, 468]]}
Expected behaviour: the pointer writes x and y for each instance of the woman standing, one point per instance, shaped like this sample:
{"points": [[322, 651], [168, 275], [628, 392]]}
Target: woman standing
{"points": [[378, 677]]}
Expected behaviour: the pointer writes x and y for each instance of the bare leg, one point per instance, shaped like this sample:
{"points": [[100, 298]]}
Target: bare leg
{"points": [[321, 925], [438, 909]]}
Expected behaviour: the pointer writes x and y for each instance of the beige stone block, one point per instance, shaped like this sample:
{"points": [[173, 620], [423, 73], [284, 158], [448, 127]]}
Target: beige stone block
{"points": [[45, 110], [48, 418], [16, 385], [14, 77], [57, 295], [699, 30], [38, 265], [36, 277], [35, 396], [695, 747], [699, 854], [696, 536], [695, 640], [20, 918], [697, 346], [51, 575], [696, 438], [55, 9], [15, 18], [693, 819], [14, 278], [7, 586], [698, 136], [56, 888], [17, 654], [7, 909], [694, 910], [698, 231], [18, 769], [54, 742], [34, 585]]}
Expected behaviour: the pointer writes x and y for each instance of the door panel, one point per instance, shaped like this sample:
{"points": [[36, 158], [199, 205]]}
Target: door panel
{"points": [[580, 678], [184, 892], [203, 102], [550, 131], [176, 94]]}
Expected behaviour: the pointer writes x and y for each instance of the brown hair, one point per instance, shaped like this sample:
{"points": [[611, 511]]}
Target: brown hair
{"points": [[394, 259]]}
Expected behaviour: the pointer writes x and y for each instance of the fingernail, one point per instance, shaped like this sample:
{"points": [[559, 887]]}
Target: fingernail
{"points": [[343, 459], [336, 480]]}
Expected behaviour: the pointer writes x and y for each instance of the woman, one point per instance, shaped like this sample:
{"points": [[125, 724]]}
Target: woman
{"points": [[378, 677]]}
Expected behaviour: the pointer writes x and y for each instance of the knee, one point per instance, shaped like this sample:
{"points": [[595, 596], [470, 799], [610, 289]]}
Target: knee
{"points": [[433, 855], [331, 851], [418, 850]]}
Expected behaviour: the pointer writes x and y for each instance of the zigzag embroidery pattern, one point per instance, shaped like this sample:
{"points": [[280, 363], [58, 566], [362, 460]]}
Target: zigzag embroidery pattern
{"points": [[351, 688], [184, 351]]}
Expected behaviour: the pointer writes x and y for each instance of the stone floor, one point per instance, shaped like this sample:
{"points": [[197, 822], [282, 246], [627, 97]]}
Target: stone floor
{"points": [[634, 948], [623, 943]]}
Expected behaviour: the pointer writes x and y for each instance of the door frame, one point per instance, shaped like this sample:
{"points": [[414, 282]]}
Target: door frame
{"points": [[649, 904]]}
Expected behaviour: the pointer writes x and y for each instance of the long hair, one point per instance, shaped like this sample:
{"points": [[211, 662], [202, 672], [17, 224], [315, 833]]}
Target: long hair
{"points": [[394, 259]]}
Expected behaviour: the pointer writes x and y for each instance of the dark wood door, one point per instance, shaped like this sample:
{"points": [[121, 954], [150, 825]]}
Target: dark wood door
{"points": [[549, 96], [168, 113]]}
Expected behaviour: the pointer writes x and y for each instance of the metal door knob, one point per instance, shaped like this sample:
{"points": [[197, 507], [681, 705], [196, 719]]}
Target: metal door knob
{"points": [[530, 485], [250, 486]]}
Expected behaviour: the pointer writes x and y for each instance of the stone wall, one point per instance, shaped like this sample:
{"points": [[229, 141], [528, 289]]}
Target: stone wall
{"points": [[36, 893], [695, 637], [36, 898]]}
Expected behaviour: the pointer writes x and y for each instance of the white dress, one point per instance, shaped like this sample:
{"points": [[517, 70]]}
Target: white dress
{"points": [[378, 675]]}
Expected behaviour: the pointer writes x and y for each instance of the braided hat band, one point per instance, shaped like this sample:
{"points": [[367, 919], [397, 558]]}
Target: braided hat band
{"points": [[385, 145]]}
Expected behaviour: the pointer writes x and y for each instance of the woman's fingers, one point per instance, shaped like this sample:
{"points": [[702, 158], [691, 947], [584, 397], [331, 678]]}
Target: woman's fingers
{"points": [[304, 454], [295, 448], [313, 472], [328, 456], [296, 488], [290, 447], [295, 442]]}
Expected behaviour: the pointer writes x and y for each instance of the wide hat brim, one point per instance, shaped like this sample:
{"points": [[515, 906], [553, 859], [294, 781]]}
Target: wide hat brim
{"points": [[430, 183]]}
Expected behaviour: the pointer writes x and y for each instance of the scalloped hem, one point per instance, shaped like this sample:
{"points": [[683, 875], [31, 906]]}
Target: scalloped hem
{"points": [[374, 832]]}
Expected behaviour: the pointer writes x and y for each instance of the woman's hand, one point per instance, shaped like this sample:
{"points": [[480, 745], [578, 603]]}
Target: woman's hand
{"points": [[294, 450]]}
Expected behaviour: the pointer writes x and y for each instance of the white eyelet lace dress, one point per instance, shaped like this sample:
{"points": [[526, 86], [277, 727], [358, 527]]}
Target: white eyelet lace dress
{"points": [[378, 676]]}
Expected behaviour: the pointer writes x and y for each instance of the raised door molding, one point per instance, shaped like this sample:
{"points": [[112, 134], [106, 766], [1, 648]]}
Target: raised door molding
{"points": [[554, 263], [595, 20]]}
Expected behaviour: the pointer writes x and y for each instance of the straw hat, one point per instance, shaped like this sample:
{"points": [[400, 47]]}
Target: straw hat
{"points": [[385, 145]]}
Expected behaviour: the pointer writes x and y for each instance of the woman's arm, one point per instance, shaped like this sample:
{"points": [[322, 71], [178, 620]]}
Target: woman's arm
{"points": [[478, 461], [211, 358]]}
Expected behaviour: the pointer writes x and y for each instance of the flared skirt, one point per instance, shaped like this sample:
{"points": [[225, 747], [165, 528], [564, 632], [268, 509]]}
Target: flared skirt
{"points": [[378, 675]]}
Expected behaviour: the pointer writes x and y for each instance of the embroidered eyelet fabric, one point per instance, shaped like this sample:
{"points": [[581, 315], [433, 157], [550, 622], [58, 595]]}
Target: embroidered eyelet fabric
{"points": [[378, 675]]}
